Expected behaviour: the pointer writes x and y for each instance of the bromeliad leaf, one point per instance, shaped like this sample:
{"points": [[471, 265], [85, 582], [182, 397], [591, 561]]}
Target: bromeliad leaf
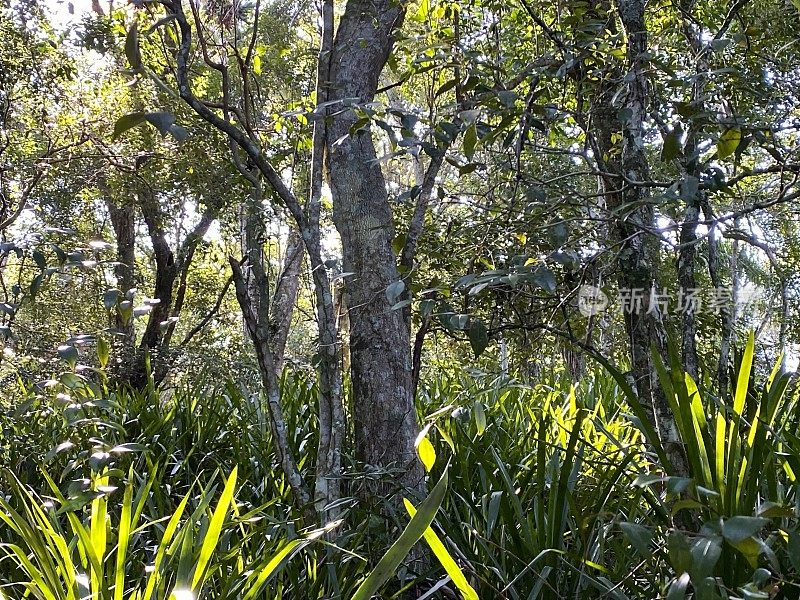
{"points": [[443, 556], [413, 532], [425, 450], [209, 542]]}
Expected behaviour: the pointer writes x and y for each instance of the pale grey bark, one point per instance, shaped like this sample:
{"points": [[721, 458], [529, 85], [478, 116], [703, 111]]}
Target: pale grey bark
{"points": [[691, 194], [331, 413], [638, 253], [275, 309], [261, 341], [284, 297], [327, 486], [381, 364]]}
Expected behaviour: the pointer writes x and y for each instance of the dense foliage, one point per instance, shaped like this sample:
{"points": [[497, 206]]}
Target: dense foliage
{"points": [[416, 299], [551, 493]]}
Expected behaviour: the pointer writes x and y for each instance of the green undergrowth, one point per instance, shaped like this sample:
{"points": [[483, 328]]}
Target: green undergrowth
{"points": [[536, 490]]}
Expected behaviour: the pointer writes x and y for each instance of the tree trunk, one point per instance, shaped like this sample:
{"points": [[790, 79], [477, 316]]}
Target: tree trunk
{"points": [[285, 298], [687, 258], [383, 408], [331, 413], [638, 249], [165, 276], [252, 239], [171, 268], [266, 362], [123, 221], [694, 197]]}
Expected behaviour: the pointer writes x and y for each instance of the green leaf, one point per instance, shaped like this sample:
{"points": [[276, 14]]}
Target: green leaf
{"points": [[750, 548], [261, 575], [180, 133], [638, 536], [163, 121], [728, 142], [738, 529], [398, 243], [394, 290], [209, 542], [103, 352], [478, 336], [558, 234], [705, 555], [166, 538], [68, 353], [425, 450], [672, 147], [132, 51], [110, 299], [507, 97], [480, 417], [448, 85], [677, 590], [544, 279], [793, 546], [160, 23], [470, 141], [678, 552], [391, 561], [36, 285], [40, 260], [445, 559], [422, 11], [127, 122], [359, 125]]}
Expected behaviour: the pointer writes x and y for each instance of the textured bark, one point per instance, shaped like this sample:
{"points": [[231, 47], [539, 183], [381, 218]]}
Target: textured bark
{"points": [[285, 298], [687, 259], [252, 240], [165, 277], [691, 193], [123, 221], [277, 310], [327, 484], [342, 322], [266, 361], [169, 288], [638, 249], [383, 408]]}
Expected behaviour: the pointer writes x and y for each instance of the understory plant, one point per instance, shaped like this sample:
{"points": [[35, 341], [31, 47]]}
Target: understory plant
{"points": [[548, 489]]}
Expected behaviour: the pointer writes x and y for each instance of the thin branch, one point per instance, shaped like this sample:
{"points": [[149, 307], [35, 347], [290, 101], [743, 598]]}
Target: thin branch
{"points": [[209, 315], [259, 335]]}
